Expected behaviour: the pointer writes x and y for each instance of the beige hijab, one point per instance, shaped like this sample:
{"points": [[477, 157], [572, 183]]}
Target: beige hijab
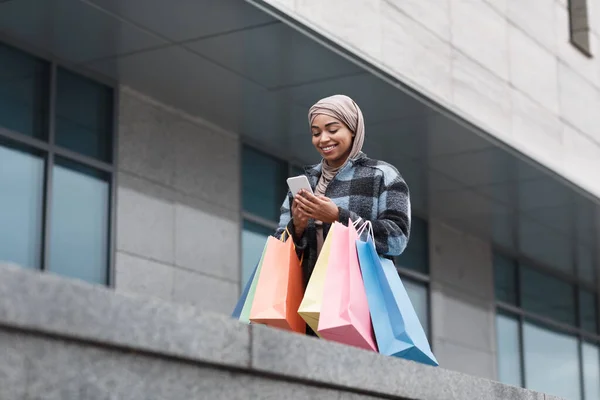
{"points": [[346, 110]]}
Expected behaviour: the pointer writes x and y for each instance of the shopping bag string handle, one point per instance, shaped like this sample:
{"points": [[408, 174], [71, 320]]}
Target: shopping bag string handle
{"points": [[288, 236], [363, 227], [283, 235]]}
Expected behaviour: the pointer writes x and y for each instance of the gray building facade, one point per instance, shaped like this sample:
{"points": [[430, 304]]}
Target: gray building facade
{"points": [[144, 146]]}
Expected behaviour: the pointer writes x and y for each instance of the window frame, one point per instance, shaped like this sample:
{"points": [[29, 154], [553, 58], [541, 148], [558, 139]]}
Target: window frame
{"points": [[244, 215], [521, 315], [579, 26], [50, 150]]}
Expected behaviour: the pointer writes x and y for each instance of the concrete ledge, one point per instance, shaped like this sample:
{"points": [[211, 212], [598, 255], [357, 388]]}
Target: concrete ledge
{"points": [[49, 304], [62, 339], [296, 356]]}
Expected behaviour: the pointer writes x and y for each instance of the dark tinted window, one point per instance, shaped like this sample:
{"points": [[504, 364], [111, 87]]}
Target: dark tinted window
{"points": [[83, 116], [505, 279], [547, 296], [587, 311], [24, 83], [264, 184], [416, 255]]}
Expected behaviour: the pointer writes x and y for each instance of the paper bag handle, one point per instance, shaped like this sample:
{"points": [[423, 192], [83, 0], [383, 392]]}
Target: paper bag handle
{"points": [[363, 227]]}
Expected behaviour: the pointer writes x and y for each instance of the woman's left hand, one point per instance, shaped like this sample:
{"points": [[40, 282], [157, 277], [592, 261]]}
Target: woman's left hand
{"points": [[320, 208]]}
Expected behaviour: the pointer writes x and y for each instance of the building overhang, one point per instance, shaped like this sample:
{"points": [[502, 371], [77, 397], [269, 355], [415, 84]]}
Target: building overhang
{"points": [[256, 75]]}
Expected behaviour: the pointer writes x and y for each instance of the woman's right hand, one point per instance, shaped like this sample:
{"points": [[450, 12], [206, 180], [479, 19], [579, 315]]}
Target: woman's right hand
{"points": [[300, 219]]}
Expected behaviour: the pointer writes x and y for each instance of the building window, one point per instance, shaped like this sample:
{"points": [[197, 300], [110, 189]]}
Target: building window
{"points": [[546, 330], [56, 153], [264, 189], [579, 25]]}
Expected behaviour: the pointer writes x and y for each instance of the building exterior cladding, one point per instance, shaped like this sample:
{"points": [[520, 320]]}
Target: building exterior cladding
{"points": [[507, 66]]}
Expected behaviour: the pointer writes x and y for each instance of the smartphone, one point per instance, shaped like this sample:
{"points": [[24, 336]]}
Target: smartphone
{"points": [[298, 183]]}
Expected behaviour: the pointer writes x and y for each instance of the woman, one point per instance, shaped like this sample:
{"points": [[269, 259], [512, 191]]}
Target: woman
{"points": [[347, 185]]}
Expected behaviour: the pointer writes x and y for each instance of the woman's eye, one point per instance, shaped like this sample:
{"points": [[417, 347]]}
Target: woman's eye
{"points": [[333, 131], [316, 134]]}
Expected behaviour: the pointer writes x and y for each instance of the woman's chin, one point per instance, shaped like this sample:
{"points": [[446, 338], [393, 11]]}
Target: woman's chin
{"points": [[329, 157], [334, 160]]}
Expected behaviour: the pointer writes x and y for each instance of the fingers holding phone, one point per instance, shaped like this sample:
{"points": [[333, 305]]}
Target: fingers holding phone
{"points": [[300, 218], [319, 208]]}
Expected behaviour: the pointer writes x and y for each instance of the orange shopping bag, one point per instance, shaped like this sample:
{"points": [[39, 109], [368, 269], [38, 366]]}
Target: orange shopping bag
{"points": [[280, 287]]}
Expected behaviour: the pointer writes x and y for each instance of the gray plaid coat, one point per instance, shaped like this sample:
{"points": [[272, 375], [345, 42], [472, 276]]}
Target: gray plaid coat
{"points": [[369, 189]]}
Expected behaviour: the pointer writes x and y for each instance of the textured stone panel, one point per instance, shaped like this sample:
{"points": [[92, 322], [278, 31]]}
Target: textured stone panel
{"points": [[463, 319], [146, 145], [432, 14], [139, 275], [206, 242], [461, 261], [534, 70], [358, 26], [47, 303], [315, 360], [207, 165], [481, 95], [416, 53], [145, 225], [205, 292], [480, 32]]}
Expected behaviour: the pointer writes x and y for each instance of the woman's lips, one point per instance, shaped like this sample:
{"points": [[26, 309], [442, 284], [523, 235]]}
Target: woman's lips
{"points": [[328, 149]]}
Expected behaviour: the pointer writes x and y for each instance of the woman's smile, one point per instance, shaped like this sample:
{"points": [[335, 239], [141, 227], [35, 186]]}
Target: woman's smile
{"points": [[328, 149]]}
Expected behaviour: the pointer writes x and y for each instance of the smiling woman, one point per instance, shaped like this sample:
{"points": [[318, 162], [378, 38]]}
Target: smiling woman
{"points": [[347, 185]]}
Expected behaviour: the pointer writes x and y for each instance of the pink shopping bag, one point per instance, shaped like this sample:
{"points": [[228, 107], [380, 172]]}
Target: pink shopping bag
{"points": [[345, 315]]}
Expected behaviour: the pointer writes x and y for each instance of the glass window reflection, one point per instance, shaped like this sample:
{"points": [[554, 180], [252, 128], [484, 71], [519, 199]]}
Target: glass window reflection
{"points": [[79, 222], [546, 245], [547, 295], [23, 92], [551, 362], [21, 186], [83, 115], [585, 263], [416, 255], [587, 311], [264, 184], [591, 370], [254, 237], [509, 353], [505, 279]]}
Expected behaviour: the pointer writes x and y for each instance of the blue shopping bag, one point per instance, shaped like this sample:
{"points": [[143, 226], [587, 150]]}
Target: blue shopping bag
{"points": [[237, 311], [397, 328]]}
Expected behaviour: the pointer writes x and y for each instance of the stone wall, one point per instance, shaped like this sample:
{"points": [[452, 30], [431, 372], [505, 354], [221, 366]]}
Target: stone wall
{"points": [[62, 339], [178, 206], [462, 301]]}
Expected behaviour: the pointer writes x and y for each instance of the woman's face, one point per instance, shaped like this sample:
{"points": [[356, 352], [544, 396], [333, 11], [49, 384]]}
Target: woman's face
{"points": [[332, 139]]}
